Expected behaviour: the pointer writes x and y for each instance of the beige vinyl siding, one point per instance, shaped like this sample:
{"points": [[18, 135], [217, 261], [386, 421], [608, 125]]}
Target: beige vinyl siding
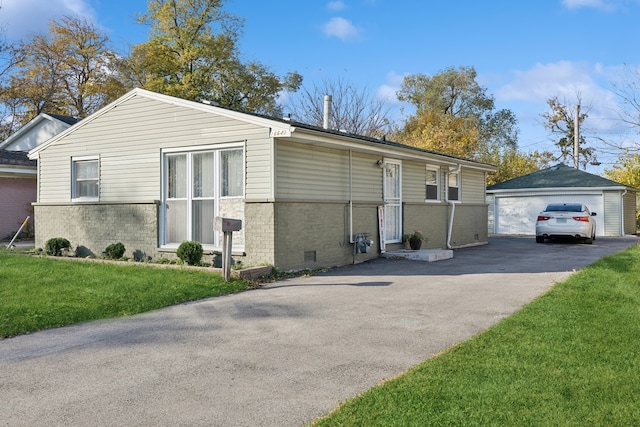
{"points": [[367, 178], [259, 168], [612, 211], [629, 206], [473, 186], [413, 182], [129, 139], [307, 172]]}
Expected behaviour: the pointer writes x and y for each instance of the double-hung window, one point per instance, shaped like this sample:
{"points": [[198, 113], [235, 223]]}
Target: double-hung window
{"points": [[200, 185], [85, 178], [453, 187], [432, 184]]}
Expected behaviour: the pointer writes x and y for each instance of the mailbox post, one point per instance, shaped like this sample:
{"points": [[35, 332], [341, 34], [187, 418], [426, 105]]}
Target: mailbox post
{"points": [[227, 226]]}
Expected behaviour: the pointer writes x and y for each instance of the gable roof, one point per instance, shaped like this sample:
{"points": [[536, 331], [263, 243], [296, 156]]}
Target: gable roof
{"points": [[279, 127], [558, 176], [59, 118]]}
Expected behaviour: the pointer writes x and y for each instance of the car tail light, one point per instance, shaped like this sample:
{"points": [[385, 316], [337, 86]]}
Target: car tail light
{"points": [[543, 218], [581, 218]]}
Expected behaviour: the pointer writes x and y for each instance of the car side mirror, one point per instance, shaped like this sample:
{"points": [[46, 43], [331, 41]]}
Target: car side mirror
{"points": [[593, 214]]}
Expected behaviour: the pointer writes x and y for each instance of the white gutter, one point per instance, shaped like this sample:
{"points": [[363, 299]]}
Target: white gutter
{"points": [[451, 203]]}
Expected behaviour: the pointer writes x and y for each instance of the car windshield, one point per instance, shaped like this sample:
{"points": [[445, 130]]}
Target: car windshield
{"points": [[564, 207]]}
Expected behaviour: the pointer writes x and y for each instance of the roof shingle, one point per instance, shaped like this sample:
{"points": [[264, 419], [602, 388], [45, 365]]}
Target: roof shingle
{"points": [[16, 158], [558, 176]]}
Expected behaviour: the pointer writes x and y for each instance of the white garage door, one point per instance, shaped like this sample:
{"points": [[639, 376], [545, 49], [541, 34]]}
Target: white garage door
{"points": [[517, 214]]}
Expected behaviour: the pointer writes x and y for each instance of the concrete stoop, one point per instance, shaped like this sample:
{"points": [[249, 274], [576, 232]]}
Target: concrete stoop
{"points": [[428, 255]]}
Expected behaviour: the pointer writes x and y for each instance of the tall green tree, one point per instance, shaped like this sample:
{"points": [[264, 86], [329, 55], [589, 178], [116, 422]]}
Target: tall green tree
{"points": [[68, 71], [455, 115], [561, 122], [192, 53], [627, 171]]}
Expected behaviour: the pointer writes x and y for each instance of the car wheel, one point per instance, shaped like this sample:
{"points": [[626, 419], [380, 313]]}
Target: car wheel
{"points": [[588, 240], [539, 239]]}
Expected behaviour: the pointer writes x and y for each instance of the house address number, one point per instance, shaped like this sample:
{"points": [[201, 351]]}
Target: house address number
{"points": [[280, 132]]}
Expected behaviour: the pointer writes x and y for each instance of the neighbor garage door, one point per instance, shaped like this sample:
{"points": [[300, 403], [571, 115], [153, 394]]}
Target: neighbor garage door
{"points": [[517, 214]]}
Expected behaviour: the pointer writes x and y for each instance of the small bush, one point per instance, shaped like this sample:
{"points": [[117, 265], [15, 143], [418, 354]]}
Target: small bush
{"points": [[190, 252], [114, 251], [55, 245]]}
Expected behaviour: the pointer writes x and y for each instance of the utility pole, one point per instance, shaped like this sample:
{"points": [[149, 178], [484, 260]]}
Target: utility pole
{"points": [[576, 135]]}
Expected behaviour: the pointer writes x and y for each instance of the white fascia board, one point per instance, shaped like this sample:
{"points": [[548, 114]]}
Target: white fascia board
{"points": [[555, 190], [15, 170], [347, 142]]}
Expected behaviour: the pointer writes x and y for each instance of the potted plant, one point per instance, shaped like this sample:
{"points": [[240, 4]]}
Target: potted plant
{"points": [[414, 240]]}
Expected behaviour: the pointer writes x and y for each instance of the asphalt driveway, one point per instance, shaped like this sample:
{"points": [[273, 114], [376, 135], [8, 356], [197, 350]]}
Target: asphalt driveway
{"points": [[281, 355]]}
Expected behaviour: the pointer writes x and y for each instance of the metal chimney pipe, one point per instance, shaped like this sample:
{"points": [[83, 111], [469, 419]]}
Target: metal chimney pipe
{"points": [[327, 111]]}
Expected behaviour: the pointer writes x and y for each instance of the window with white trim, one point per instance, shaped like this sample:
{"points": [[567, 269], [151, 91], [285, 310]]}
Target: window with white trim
{"points": [[453, 186], [432, 184], [200, 185], [85, 178]]}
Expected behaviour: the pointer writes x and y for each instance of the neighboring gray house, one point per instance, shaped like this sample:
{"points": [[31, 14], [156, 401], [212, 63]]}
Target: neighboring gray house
{"points": [[152, 171], [18, 173], [515, 204], [39, 129]]}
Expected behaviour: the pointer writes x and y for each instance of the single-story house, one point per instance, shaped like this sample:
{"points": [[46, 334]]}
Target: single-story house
{"points": [[151, 171], [18, 173], [515, 204]]}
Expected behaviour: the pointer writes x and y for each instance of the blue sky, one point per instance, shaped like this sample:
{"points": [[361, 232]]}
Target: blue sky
{"points": [[524, 52]]}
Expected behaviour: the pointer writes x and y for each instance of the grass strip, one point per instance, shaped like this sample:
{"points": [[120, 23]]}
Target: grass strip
{"points": [[569, 358], [39, 293]]}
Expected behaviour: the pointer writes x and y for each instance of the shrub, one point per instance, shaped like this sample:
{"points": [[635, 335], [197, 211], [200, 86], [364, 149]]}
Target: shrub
{"points": [[55, 245], [114, 251], [190, 252]]}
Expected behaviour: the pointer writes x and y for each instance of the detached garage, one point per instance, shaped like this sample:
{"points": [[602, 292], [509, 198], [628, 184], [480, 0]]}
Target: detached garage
{"points": [[515, 204]]}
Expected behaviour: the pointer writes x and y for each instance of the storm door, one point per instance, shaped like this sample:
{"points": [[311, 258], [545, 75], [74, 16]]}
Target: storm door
{"points": [[392, 201]]}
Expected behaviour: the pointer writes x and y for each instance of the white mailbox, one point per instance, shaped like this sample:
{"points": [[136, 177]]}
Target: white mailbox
{"points": [[228, 224]]}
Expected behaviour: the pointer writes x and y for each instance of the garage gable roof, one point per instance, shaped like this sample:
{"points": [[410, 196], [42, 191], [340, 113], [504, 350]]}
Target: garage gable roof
{"points": [[558, 176]]}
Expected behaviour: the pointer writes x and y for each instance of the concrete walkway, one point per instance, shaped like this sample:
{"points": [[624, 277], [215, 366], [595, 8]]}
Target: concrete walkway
{"points": [[281, 355]]}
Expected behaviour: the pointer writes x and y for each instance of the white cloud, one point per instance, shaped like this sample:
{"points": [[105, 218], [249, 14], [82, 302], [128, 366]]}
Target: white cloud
{"points": [[336, 5], [342, 29], [23, 18], [596, 4], [562, 79], [389, 89], [530, 90]]}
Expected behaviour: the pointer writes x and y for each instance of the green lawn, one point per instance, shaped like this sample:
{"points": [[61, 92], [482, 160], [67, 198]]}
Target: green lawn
{"points": [[570, 358], [38, 293]]}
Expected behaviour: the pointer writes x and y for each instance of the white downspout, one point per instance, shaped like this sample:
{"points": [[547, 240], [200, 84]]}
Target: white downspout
{"points": [[451, 203], [351, 240]]}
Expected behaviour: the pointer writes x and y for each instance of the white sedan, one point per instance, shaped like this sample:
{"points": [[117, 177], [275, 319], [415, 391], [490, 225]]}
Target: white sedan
{"points": [[566, 220]]}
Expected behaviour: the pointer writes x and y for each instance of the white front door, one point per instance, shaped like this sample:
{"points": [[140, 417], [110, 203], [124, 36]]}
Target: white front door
{"points": [[392, 201]]}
